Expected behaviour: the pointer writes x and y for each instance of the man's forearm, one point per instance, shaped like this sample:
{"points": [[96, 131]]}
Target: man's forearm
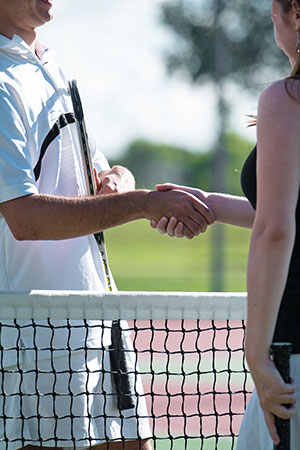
{"points": [[47, 217]]}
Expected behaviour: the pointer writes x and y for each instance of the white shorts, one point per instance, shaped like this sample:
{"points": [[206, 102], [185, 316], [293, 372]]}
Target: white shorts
{"points": [[254, 432], [53, 407]]}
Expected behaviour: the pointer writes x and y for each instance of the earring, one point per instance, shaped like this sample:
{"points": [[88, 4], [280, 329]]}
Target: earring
{"points": [[298, 42]]}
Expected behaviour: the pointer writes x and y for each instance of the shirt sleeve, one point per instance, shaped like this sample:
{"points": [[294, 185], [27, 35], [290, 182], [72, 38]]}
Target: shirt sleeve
{"points": [[16, 172]]}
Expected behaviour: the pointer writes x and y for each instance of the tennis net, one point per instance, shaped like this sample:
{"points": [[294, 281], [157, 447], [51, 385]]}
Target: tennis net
{"points": [[187, 348]]}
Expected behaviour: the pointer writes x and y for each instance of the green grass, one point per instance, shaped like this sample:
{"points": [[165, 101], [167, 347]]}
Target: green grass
{"points": [[142, 259]]}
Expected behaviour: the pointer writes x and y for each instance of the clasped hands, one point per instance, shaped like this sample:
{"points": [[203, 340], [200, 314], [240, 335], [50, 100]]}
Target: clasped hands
{"points": [[173, 209], [195, 223]]}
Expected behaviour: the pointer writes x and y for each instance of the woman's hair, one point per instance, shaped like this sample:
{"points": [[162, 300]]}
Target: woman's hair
{"points": [[286, 6], [295, 74]]}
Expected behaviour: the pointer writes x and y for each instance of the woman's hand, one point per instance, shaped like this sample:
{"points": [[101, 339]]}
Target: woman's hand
{"points": [[173, 227], [273, 394], [199, 193]]}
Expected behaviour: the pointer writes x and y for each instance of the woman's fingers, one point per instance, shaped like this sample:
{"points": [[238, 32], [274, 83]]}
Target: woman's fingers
{"points": [[270, 421], [283, 412], [287, 399], [280, 393], [179, 230], [196, 227], [162, 225], [153, 223], [187, 232], [171, 226], [176, 228]]}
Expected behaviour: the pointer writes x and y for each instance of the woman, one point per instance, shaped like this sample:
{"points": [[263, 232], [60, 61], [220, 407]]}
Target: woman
{"points": [[270, 180]]}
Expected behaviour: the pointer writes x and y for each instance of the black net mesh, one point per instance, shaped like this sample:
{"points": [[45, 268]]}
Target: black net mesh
{"points": [[60, 387]]}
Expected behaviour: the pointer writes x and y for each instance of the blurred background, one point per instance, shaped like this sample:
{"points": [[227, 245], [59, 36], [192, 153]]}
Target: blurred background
{"points": [[167, 86]]}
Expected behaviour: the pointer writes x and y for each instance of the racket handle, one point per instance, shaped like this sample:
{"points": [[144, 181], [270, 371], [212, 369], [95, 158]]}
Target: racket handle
{"points": [[123, 372], [281, 352]]}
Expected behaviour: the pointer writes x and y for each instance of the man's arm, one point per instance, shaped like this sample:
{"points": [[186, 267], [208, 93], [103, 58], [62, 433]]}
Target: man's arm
{"points": [[46, 217], [40, 217]]}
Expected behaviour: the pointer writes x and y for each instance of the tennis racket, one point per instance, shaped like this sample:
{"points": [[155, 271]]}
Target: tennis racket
{"points": [[281, 353], [123, 377], [89, 174]]}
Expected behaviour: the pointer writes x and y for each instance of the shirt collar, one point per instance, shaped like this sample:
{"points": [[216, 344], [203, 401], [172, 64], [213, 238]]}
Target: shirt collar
{"points": [[18, 45]]}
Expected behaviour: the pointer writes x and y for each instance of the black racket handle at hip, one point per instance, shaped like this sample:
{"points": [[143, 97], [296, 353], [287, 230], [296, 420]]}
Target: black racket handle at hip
{"points": [[123, 369], [281, 352]]}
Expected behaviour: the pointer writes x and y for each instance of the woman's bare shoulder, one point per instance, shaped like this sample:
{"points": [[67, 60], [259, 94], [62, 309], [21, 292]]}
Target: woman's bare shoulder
{"points": [[282, 93], [278, 119], [279, 104]]}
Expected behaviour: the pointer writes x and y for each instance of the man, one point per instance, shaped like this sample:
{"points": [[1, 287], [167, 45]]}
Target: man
{"points": [[46, 242]]}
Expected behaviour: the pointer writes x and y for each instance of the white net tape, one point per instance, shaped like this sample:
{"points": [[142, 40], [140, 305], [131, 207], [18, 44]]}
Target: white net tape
{"points": [[122, 305]]}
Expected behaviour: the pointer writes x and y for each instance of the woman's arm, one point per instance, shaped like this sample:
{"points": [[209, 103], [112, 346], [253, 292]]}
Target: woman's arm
{"points": [[227, 209], [278, 180], [232, 210]]}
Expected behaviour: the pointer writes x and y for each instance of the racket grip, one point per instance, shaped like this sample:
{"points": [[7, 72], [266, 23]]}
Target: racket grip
{"points": [[121, 366], [281, 352]]}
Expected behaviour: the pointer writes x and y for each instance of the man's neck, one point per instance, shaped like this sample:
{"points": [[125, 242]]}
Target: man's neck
{"points": [[28, 36]]}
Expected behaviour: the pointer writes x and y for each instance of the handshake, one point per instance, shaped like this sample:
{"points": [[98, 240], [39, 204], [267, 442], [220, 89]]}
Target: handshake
{"points": [[187, 211]]}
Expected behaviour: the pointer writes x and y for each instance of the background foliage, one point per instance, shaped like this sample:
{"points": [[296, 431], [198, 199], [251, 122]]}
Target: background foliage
{"points": [[154, 163], [242, 28], [218, 42], [142, 259]]}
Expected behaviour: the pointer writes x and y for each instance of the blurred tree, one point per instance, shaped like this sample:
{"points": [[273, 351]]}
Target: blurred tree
{"points": [[153, 163], [247, 32], [221, 41]]}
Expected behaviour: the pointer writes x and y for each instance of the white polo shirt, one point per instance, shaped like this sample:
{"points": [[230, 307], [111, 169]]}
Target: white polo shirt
{"points": [[40, 153]]}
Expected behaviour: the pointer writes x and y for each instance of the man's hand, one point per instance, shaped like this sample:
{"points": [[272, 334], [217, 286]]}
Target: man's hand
{"points": [[115, 181], [172, 225]]}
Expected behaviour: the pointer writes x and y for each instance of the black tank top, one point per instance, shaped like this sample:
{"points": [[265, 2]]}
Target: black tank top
{"points": [[288, 321]]}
